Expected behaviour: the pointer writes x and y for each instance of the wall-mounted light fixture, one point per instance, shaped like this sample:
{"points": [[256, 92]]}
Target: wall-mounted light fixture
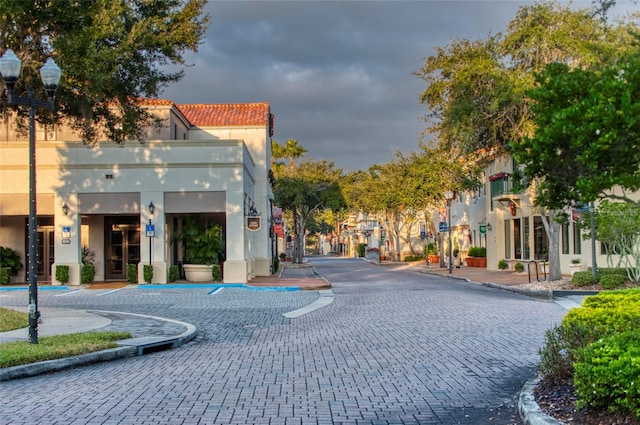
{"points": [[152, 208], [489, 227], [65, 209]]}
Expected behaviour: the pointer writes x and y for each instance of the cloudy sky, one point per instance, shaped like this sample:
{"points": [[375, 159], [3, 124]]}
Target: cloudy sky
{"points": [[338, 74]]}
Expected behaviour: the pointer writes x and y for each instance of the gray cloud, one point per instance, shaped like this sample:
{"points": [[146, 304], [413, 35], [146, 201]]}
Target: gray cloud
{"points": [[338, 74]]}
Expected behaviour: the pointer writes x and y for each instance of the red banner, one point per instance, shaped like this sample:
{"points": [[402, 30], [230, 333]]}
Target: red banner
{"points": [[278, 229]]}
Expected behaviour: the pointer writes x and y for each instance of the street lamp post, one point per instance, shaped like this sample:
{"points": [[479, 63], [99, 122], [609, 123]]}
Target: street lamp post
{"points": [[50, 74], [448, 195]]}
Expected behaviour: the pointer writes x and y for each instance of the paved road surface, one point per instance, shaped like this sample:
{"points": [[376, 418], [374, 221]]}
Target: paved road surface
{"points": [[394, 347]]}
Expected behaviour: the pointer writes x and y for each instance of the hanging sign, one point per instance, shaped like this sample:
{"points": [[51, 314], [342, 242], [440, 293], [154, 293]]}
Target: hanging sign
{"points": [[483, 229], [253, 223], [442, 226]]}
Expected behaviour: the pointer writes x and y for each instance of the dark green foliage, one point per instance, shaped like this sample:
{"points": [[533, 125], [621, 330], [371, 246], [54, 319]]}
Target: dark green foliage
{"points": [[608, 373], [276, 265], [204, 243], [432, 249], [503, 265], [584, 278], [362, 247], [518, 267], [216, 273], [9, 258], [111, 53], [613, 281], [477, 251], [147, 273], [62, 273], [173, 273], [5, 275], [88, 273], [132, 273]]}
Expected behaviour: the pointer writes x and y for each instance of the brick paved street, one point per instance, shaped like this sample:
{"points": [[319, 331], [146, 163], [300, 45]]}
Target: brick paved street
{"points": [[394, 347]]}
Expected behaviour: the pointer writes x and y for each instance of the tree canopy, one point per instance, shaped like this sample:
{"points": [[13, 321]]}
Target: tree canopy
{"points": [[587, 138], [111, 53]]}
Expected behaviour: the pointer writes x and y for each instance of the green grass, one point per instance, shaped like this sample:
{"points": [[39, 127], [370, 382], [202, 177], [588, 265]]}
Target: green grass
{"points": [[57, 347], [11, 319]]}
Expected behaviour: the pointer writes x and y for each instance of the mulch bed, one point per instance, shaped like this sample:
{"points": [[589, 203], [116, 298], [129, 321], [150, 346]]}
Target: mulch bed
{"points": [[559, 401]]}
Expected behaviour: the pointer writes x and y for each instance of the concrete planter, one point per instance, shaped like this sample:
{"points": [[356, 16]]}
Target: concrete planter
{"points": [[198, 273], [477, 262]]}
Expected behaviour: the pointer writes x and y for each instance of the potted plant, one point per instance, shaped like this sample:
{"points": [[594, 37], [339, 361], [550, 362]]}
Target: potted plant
{"points": [[432, 253], [204, 247], [575, 266], [477, 256]]}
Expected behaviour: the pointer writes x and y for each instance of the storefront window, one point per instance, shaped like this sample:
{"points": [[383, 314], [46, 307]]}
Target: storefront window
{"points": [[540, 240], [507, 239]]}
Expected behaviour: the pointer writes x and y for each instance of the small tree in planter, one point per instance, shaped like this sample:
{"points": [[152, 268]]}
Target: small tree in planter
{"points": [[432, 252], [204, 247], [477, 256]]}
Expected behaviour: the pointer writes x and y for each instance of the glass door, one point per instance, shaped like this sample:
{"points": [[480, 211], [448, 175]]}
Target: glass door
{"points": [[123, 246], [44, 252]]}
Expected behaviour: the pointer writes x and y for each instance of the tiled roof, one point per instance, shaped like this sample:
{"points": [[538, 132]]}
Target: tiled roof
{"points": [[226, 115], [155, 102]]}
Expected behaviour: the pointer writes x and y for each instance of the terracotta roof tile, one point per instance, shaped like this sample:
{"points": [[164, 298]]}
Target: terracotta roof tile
{"points": [[226, 115]]}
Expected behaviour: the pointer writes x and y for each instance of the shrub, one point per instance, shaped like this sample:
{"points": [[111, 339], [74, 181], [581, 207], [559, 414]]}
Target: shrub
{"points": [[361, 249], [62, 273], [216, 273], [413, 258], [9, 258], [276, 265], [518, 267], [612, 281], [147, 273], [132, 273], [174, 273], [584, 278], [608, 373], [503, 265], [5, 275], [432, 249], [88, 273], [282, 256], [555, 362], [477, 251]]}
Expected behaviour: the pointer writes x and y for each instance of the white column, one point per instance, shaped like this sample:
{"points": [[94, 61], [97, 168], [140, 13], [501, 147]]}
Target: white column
{"points": [[235, 266], [67, 242], [152, 249]]}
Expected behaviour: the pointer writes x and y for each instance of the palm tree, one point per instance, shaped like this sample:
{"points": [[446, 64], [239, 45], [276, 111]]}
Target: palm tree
{"points": [[293, 151], [277, 152]]}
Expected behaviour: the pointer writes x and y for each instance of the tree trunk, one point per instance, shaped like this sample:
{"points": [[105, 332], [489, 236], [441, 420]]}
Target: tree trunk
{"points": [[552, 227]]}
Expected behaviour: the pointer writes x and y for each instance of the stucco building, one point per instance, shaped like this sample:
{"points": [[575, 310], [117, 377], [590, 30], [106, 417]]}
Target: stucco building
{"points": [[124, 203]]}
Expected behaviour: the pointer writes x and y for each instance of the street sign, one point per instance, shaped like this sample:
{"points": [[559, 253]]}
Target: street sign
{"points": [[151, 230], [442, 226]]}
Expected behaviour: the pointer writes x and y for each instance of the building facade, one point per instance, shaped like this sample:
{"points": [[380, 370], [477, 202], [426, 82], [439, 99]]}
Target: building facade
{"points": [[124, 203]]}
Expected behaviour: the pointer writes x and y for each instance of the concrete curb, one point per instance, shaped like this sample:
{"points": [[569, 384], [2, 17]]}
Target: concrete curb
{"points": [[529, 410], [130, 347]]}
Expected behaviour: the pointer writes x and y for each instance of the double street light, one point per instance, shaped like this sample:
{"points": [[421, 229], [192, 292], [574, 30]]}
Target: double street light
{"points": [[50, 74], [448, 195]]}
